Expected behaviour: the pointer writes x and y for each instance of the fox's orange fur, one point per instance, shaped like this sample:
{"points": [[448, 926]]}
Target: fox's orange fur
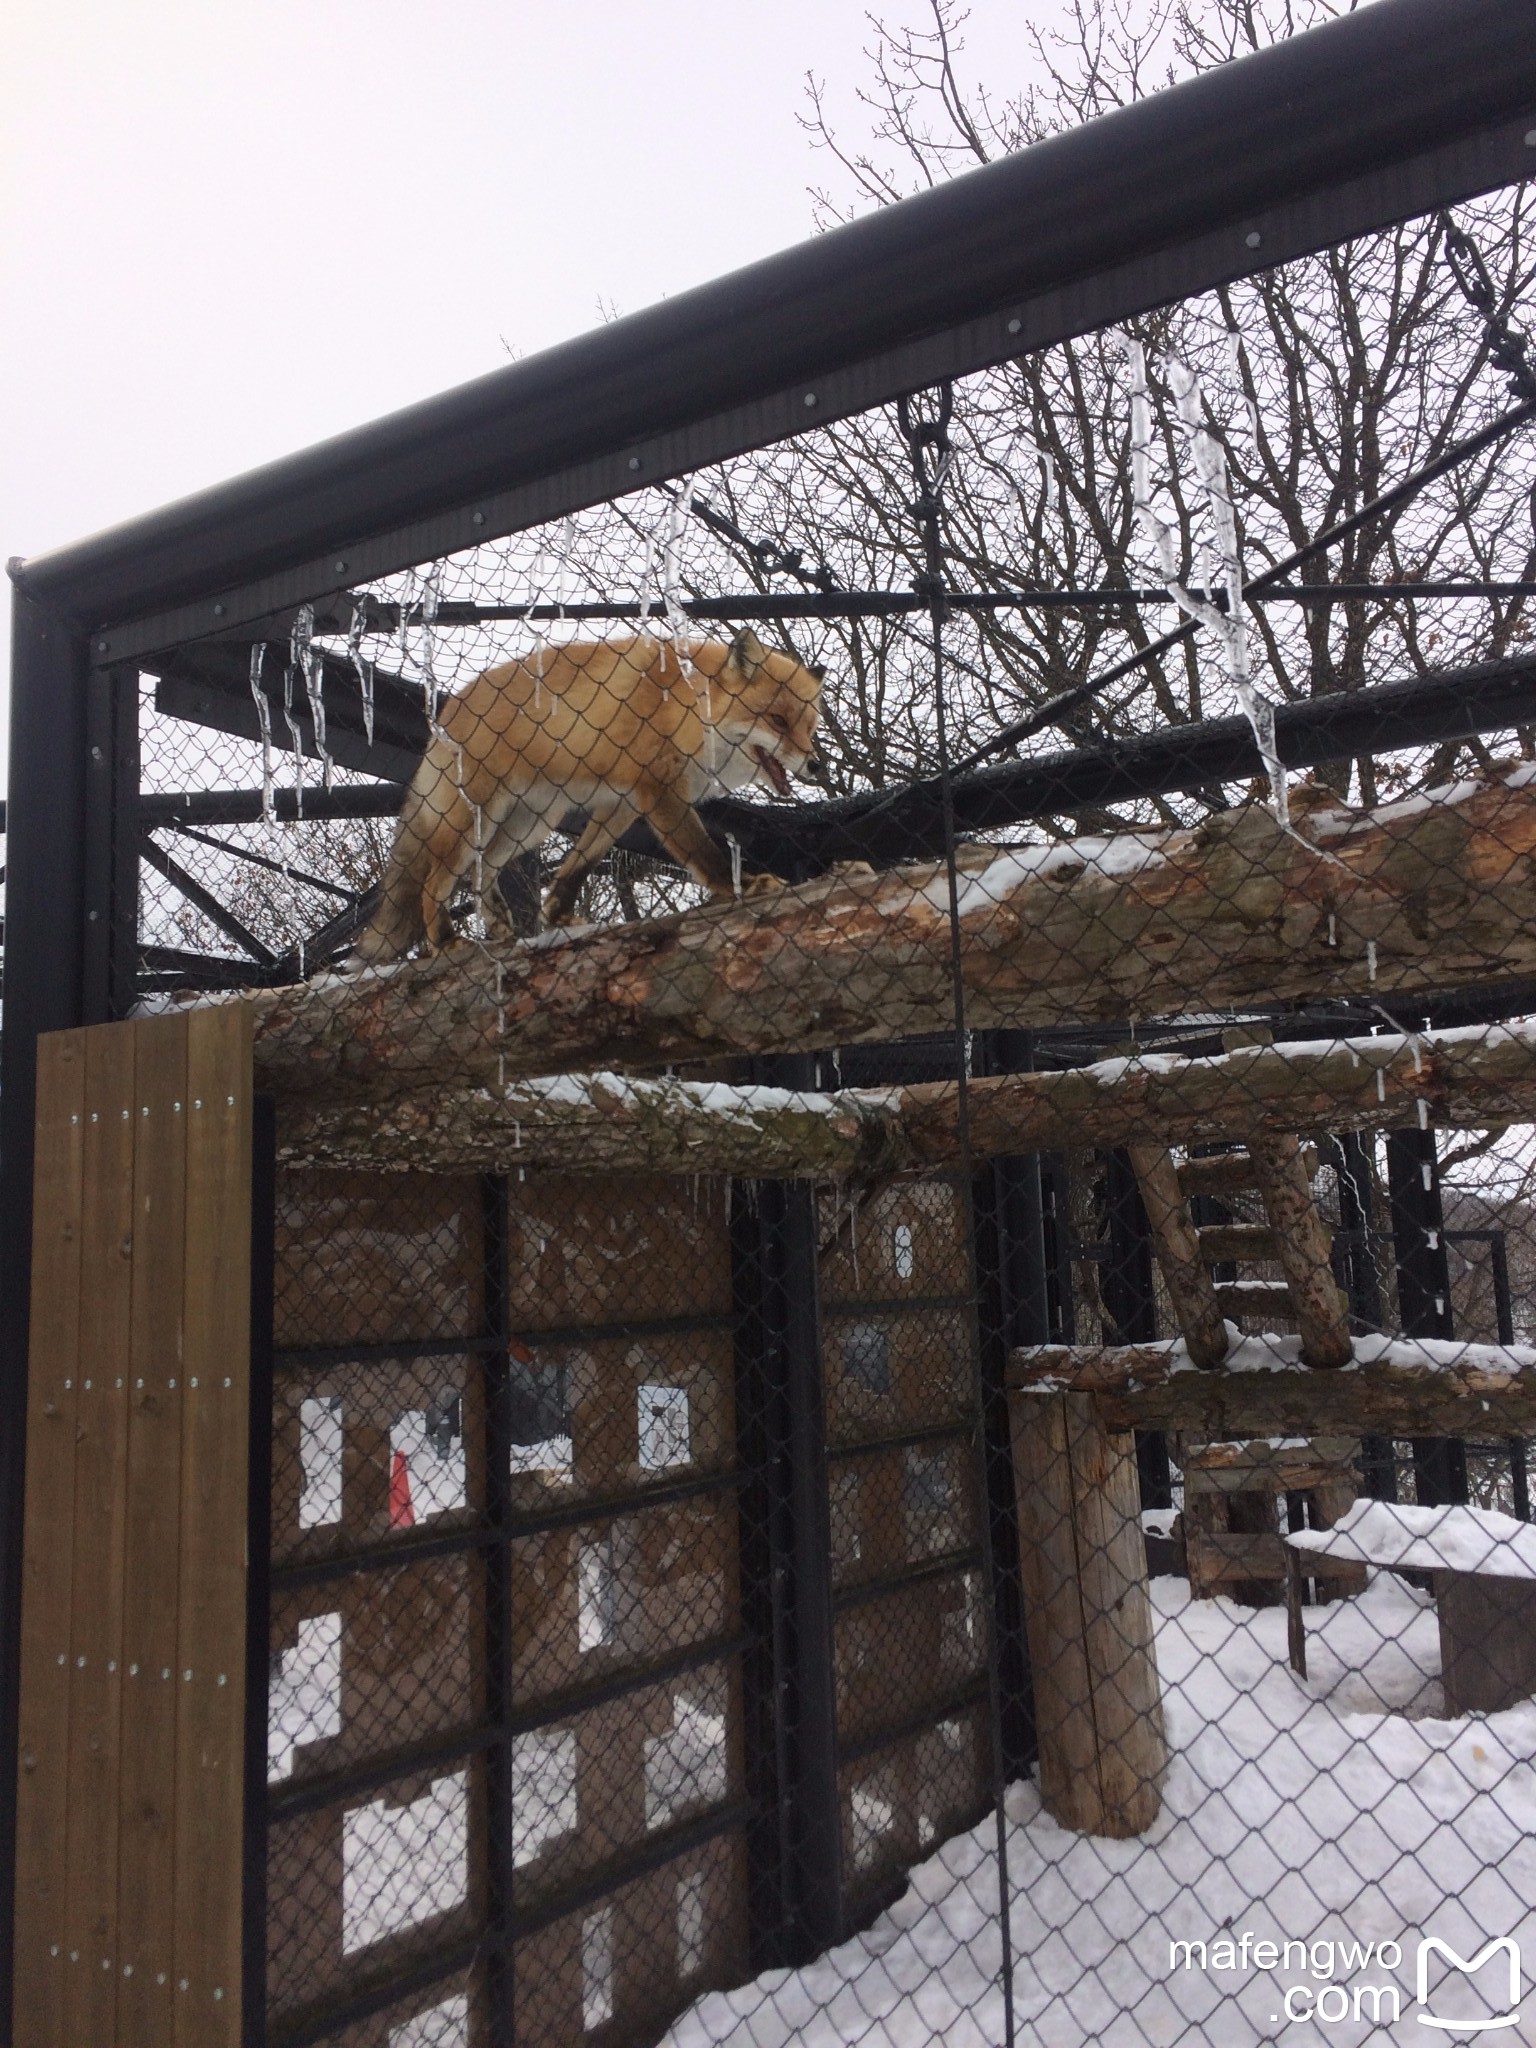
{"points": [[621, 729]]}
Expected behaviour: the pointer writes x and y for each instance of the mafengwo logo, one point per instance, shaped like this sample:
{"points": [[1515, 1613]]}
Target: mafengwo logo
{"points": [[1454, 1994], [1346, 1983]]}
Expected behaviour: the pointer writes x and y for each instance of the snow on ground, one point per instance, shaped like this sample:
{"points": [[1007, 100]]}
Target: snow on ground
{"points": [[1333, 1810]]}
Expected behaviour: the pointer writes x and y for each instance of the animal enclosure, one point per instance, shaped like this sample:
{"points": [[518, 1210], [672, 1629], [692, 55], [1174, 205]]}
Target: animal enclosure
{"points": [[869, 1008]]}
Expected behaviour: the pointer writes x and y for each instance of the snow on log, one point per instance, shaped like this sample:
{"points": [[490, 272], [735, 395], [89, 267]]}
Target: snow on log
{"points": [[1397, 1387], [1429, 893], [1475, 1077]]}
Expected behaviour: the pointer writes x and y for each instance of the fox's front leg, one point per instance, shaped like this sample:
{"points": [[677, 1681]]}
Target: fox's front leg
{"points": [[682, 832], [600, 835]]}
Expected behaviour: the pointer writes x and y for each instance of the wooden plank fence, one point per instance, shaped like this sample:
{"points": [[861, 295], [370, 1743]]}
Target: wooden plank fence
{"points": [[131, 1817]]}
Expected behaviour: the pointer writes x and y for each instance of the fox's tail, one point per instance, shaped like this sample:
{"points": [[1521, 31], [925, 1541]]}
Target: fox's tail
{"points": [[397, 923]]}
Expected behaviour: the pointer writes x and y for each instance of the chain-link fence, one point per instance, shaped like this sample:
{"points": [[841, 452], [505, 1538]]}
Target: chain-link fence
{"points": [[901, 1414]]}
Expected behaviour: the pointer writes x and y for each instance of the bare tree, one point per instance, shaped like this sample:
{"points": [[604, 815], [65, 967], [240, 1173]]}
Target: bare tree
{"points": [[1326, 380]]}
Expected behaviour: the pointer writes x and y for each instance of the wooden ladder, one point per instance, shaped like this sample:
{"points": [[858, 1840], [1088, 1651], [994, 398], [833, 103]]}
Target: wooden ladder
{"points": [[1294, 1236]]}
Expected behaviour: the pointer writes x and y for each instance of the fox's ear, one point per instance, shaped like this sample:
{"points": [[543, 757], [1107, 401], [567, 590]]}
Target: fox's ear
{"points": [[747, 653], [818, 669]]}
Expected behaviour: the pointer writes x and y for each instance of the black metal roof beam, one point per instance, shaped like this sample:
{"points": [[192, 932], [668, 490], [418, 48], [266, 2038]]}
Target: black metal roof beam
{"points": [[1432, 710], [1492, 697], [205, 901], [1376, 117], [753, 605]]}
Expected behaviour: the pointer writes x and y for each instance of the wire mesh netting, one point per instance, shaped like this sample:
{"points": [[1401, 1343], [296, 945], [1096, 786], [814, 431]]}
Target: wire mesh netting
{"points": [[900, 1415]]}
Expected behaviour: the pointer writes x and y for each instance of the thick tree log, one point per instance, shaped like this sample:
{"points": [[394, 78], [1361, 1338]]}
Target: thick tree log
{"points": [[1303, 1243], [1395, 1387], [1413, 897], [1179, 1252], [606, 1123]]}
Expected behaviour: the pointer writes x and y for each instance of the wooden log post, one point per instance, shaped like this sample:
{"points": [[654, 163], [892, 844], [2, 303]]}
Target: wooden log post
{"points": [[1098, 1708]]}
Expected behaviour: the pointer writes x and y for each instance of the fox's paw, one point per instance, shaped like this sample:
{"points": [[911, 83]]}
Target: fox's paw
{"points": [[761, 885]]}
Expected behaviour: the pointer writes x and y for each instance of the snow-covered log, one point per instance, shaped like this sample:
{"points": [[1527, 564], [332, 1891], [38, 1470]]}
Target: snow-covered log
{"points": [[1419, 895], [606, 1123], [1397, 1387]]}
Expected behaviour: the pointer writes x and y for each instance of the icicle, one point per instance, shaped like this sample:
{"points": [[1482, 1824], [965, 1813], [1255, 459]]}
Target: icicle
{"points": [[431, 597], [853, 1233], [314, 690], [1228, 625], [644, 595], [676, 617], [735, 846], [567, 546], [1423, 1109], [478, 843], [517, 1136], [298, 646], [1370, 961], [1381, 1085], [264, 721], [1333, 929], [363, 666]]}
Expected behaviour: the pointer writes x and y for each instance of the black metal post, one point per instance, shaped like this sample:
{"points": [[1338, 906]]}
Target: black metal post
{"points": [[111, 931], [258, 1624], [1424, 1292], [797, 1879], [1014, 1308], [45, 821], [496, 1385], [1355, 1250], [1504, 1310]]}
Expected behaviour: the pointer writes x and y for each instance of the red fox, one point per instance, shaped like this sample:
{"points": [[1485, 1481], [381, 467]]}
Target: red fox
{"points": [[621, 729]]}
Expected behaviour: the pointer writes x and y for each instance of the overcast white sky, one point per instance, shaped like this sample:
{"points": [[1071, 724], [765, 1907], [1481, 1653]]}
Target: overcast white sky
{"points": [[233, 227]]}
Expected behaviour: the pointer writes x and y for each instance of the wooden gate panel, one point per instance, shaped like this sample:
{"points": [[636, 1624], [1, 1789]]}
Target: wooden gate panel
{"points": [[131, 1790]]}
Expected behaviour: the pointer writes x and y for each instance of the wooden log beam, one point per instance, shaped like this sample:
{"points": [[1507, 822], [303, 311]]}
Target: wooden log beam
{"points": [[1395, 1387], [607, 1123], [1413, 897], [603, 1123]]}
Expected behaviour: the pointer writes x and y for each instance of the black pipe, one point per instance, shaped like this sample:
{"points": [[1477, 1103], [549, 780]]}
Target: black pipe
{"points": [[1359, 95], [1494, 696], [258, 1602], [1424, 1293]]}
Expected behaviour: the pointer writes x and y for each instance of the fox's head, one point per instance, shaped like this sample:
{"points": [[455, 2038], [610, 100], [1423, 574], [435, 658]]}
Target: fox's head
{"points": [[764, 706]]}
